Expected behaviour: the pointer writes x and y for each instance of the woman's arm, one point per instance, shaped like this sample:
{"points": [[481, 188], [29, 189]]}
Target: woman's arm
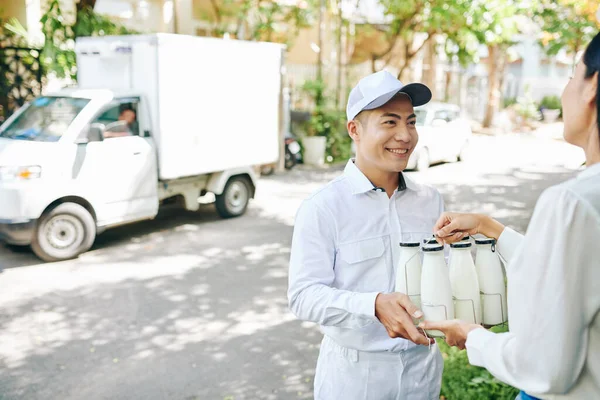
{"points": [[452, 227]]}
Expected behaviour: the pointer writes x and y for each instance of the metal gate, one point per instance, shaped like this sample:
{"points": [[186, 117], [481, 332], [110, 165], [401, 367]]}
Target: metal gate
{"points": [[20, 78]]}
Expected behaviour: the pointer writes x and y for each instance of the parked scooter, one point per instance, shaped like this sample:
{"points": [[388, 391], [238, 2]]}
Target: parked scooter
{"points": [[293, 155]]}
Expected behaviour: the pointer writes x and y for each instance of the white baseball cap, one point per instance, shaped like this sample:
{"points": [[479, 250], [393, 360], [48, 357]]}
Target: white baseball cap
{"points": [[374, 90]]}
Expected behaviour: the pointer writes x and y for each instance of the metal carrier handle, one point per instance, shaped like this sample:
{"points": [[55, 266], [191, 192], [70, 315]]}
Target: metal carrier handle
{"points": [[503, 317], [406, 275], [472, 307]]}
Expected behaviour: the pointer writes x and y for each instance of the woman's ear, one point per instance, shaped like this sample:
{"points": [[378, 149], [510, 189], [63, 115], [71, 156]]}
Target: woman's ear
{"points": [[591, 89]]}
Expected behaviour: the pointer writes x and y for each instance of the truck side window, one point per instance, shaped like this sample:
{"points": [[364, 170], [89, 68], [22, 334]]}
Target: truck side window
{"points": [[120, 120]]}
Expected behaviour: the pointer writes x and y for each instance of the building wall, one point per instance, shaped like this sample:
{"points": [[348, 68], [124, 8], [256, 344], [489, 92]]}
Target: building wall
{"points": [[14, 9]]}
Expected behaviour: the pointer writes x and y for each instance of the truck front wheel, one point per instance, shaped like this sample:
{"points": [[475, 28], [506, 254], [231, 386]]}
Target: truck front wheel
{"points": [[64, 233], [235, 197]]}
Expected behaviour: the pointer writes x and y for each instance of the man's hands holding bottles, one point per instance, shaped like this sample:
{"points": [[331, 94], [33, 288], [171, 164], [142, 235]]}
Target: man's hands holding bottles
{"points": [[396, 312]]}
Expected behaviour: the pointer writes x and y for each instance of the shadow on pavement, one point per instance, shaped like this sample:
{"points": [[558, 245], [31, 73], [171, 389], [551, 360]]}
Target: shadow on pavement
{"points": [[203, 316], [197, 322]]}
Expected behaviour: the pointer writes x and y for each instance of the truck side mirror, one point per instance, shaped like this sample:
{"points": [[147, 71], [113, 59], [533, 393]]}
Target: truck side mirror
{"points": [[95, 133]]}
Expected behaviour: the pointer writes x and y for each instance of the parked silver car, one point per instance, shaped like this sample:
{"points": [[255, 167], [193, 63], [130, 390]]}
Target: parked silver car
{"points": [[444, 135]]}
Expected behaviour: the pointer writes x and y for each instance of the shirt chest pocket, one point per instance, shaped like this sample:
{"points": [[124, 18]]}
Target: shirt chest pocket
{"points": [[363, 266]]}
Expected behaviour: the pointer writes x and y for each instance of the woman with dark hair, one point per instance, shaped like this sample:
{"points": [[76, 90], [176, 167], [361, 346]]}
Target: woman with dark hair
{"points": [[552, 350]]}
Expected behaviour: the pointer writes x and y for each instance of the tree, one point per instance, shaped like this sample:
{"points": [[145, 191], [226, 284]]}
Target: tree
{"points": [[60, 35], [259, 20], [497, 20], [566, 24], [460, 47], [407, 18]]}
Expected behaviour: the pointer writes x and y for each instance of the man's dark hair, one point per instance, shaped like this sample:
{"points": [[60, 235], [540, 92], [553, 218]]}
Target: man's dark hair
{"points": [[127, 108]]}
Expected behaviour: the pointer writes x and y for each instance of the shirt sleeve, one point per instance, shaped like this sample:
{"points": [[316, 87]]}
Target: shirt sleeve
{"points": [[508, 243], [311, 294], [546, 347]]}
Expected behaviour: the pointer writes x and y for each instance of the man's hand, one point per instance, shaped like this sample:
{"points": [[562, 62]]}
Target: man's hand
{"points": [[455, 331], [452, 227], [395, 311]]}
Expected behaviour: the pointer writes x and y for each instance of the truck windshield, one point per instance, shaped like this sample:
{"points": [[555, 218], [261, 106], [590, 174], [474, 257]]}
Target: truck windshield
{"points": [[45, 119]]}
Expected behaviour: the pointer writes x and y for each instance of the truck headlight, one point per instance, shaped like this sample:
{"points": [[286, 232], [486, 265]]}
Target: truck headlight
{"points": [[20, 173]]}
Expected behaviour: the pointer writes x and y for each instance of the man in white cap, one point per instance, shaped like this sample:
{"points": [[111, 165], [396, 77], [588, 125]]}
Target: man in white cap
{"points": [[345, 252]]}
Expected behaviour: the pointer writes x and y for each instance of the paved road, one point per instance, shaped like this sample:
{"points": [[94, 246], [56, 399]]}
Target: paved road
{"points": [[189, 306]]}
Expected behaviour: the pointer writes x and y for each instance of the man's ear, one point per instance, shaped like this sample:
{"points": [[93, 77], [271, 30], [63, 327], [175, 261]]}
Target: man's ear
{"points": [[354, 129]]}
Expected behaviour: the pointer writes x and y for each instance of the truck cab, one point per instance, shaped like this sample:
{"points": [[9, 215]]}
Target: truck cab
{"points": [[75, 163]]}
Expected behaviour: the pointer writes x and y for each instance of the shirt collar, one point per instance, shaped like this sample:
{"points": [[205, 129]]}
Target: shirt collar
{"points": [[361, 184], [589, 171]]}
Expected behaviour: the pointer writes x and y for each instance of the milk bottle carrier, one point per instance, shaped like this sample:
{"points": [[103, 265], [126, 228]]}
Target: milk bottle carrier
{"points": [[492, 307]]}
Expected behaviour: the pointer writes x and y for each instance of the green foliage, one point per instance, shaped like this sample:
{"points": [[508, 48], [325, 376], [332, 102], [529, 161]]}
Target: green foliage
{"points": [[509, 101], [90, 23], [258, 20], [327, 121], [526, 108], [551, 103], [462, 381], [572, 36], [59, 45]]}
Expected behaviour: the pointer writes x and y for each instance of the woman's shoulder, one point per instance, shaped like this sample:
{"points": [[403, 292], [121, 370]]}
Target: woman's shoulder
{"points": [[584, 193]]}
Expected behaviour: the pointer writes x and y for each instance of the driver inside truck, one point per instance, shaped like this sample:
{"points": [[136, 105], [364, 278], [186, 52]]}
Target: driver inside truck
{"points": [[127, 115]]}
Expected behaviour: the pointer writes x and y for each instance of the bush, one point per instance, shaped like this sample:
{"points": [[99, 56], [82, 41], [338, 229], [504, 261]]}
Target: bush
{"points": [[462, 381], [509, 101], [329, 122], [551, 103], [526, 108]]}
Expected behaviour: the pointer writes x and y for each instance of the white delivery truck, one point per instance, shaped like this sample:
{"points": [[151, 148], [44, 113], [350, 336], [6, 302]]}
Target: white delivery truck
{"points": [[154, 117]]}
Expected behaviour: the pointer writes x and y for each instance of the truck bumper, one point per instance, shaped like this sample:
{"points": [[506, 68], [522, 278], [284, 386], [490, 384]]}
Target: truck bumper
{"points": [[17, 232]]}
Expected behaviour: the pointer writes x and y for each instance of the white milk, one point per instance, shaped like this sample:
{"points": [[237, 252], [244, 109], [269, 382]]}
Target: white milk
{"points": [[465, 284], [491, 283], [408, 273], [436, 290]]}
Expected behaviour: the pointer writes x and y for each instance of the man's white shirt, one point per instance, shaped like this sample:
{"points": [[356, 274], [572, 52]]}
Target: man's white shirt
{"points": [[345, 251]]}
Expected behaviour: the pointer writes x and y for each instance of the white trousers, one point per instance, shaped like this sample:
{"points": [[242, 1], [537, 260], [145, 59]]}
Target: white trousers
{"points": [[348, 374]]}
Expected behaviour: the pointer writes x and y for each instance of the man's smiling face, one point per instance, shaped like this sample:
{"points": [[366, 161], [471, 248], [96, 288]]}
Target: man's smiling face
{"points": [[386, 137]]}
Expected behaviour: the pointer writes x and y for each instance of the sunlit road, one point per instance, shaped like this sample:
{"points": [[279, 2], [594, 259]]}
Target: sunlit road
{"points": [[189, 306]]}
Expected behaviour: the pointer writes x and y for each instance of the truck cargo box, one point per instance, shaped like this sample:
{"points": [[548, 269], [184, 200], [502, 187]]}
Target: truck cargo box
{"points": [[214, 103]]}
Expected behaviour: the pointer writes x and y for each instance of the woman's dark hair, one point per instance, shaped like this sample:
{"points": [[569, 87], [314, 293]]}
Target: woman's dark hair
{"points": [[591, 59]]}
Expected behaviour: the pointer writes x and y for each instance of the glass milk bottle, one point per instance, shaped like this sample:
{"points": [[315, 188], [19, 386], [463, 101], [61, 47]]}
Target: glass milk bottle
{"points": [[408, 273], [436, 290], [491, 282], [465, 284]]}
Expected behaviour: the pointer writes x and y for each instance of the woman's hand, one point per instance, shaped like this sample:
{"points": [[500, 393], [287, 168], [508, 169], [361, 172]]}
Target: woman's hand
{"points": [[455, 331], [452, 227]]}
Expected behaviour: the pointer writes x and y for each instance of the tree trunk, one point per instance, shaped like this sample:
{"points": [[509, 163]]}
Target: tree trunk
{"points": [[448, 85], [83, 4], [319, 94], [409, 55], [338, 93], [429, 66], [493, 89], [501, 69]]}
